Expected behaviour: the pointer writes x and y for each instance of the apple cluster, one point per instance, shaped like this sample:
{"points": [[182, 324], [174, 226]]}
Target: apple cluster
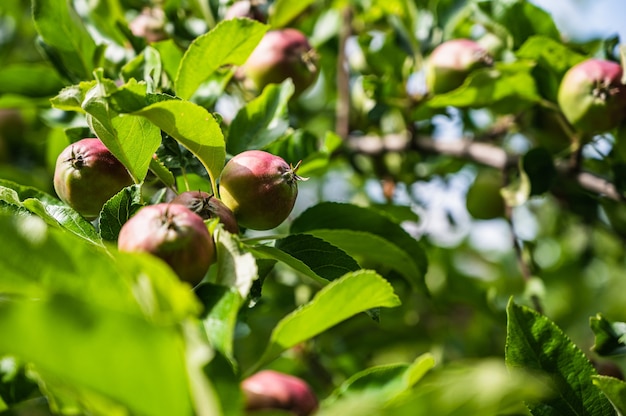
{"points": [[258, 191]]}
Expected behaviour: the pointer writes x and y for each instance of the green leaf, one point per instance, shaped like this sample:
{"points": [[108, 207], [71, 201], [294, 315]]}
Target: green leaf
{"points": [[372, 251], [614, 389], [522, 19], [61, 28], [161, 172], [283, 12], [387, 381], [94, 323], [93, 348], [550, 54], [610, 337], [47, 207], [262, 120], [171, 55], [209, 52], [535, 343], [118, 210], [507, 87], [552, 60], [195, 128], [71, 98], [375, 226], [272, 253], [236, 266], [219, 319], [132, 139], [355, 292], [539, 168], [324, 259]]}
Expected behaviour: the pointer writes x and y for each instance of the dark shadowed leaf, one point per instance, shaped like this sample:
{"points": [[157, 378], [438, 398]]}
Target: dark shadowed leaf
{"points": [[323, 258], [610, 337], [262, 120]]}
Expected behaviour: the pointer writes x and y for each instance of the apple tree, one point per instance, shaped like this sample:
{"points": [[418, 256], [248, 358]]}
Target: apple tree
{"points": [[218, 207]]}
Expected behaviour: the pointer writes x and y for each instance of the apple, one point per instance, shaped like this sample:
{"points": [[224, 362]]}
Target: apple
{"points": [[252, 9], [269, 389], [484, 200], [173, 233], [592, 96], [281, 54], [87, 175], [451, 62], [259, 188], [150, 25]]}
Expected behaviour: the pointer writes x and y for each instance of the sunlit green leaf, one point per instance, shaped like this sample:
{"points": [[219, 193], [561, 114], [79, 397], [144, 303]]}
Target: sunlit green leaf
{"points": [[209, 52], [49, 208], [195, 128], [355, 292], [614, 389]]}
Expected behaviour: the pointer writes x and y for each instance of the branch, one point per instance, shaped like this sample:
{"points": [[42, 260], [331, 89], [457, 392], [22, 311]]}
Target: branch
{"points": [[482, 153], [342, 115]]}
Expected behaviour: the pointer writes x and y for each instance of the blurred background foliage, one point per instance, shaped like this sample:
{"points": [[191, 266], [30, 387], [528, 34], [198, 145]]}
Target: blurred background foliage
{"points": [[570, 240]]}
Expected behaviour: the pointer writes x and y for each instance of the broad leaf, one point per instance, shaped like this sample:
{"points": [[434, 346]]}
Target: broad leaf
{"points": [[355, 292], [262, 120], [372, 251], [118, 210], [195, 128], [535, 343], [522, 20], [272, 253], [506, 87], [210, 51], [387, 381], [61, 28], [340, 216], [50, 209], [324, 259], [221, 306], [71, 98], [85, 317], [236, 267], [614, 389]]}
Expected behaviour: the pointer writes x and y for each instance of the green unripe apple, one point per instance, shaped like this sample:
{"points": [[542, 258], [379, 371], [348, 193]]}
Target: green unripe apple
{"points": [[484, 200]]}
